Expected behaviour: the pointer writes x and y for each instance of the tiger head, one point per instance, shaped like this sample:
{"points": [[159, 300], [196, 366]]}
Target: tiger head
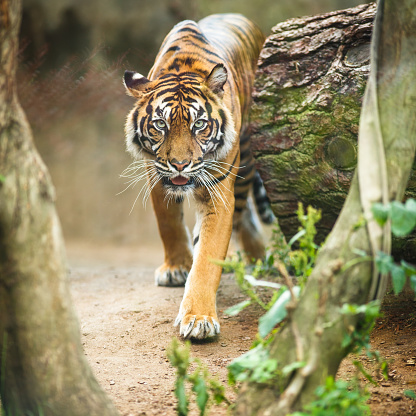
{"points": [[181, 125]]}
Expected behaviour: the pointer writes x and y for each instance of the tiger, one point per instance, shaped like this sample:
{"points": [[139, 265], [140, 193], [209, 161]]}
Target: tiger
{"points": [[189, 129]]}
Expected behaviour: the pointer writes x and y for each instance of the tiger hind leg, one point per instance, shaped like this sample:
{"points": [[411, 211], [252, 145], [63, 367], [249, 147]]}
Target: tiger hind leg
{"points": [[246, 223], [248, 232]]}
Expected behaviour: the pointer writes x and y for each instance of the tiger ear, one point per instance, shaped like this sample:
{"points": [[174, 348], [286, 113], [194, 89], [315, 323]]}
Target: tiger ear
{"points": [[135, 83], [216, 79]]}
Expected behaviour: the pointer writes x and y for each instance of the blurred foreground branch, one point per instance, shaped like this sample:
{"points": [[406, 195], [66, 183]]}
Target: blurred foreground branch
{"points": [[390, 100], [43, 369]]}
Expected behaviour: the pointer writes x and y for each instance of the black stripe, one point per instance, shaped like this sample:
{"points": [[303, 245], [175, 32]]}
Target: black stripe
{"points": [[221, 178], [241, 196], [194, 32], [205, 50], [263, 200], [136, 136], [168, 90], [243, 181], [174, 49]]}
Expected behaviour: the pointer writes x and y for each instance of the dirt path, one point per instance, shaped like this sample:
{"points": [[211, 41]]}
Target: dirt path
{"points": [[127, 323]]}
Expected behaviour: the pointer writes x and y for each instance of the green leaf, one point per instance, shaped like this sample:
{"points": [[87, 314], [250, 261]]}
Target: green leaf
{"points": [[217, 390], [291, 367], [200, 389], [363, 371], [236, 309], [276, 313], [237, 370], [408, 268], [349, 309], [384, 262], [410, 205], [410, 394], [370, 309], [380, 212], [296, 237], [265, 371], [402, 220], [398, 277], [181, 396], [385, 369], [255, 282]]}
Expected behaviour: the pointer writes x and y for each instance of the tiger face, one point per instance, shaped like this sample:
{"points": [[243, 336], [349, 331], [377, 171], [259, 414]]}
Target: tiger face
{"points": [[181, 126]]}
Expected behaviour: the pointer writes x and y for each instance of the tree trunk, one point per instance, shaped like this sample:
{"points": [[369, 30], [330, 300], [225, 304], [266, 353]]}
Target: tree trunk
{"points": [[316, 328], [43, 369], [307, 100]]}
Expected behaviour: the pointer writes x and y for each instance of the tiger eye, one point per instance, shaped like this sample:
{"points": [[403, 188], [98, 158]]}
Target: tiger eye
{"points": [[199, 124], [161, 124]]}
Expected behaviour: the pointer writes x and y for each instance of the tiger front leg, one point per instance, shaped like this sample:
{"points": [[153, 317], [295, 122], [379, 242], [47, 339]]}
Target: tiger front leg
{"points": [[197, 314], [176, 241]]}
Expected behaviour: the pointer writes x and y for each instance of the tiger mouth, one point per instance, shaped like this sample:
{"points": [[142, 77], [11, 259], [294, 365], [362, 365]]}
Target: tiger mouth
{"points": [[178, 181]]}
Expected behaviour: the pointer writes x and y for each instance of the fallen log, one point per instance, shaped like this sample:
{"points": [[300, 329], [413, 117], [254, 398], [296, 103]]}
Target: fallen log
{"points": [[306, 108]]}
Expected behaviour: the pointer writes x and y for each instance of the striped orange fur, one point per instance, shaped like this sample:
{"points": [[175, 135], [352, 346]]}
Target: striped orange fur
{"points": [[188, 129]]}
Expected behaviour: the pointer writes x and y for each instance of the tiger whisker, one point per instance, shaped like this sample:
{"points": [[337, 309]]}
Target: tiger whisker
{"points": [[213, 166], [218, 169], [144, 187], [223, 163], [216, 190], [219, 183], [142, 175], [134, 167], [151, 184], [132, 184], [136, 178], [201, 180]]}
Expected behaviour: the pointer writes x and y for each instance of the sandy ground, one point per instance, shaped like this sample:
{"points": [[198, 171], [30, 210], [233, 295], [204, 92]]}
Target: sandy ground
{"points": [[127, 324]]}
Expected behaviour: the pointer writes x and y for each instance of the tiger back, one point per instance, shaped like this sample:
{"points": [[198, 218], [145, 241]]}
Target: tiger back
{"points": [[188, 129]]}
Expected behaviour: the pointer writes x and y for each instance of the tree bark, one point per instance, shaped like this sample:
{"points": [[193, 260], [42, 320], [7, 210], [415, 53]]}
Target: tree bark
{"points": [[307, 100], [320, 326], [43, 369]]}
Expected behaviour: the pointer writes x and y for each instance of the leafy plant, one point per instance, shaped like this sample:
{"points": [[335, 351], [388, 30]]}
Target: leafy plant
{"points": [[358, 340], [204, 387], [276, 313], [402, 216], [256, 365], [339, 398], [399, 272], [335, 397], [303, 259], [279, 259], [403, 221]]}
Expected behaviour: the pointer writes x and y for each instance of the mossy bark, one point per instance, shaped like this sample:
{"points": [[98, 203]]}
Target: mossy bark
{"points": [[307, 101], [43, 369], [320, 326]]}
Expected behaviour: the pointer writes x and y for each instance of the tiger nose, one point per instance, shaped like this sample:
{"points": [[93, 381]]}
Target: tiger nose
{"points": [[180, 165]]}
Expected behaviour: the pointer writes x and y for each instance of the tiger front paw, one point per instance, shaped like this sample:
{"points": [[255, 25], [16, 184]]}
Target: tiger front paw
{"points": [[171, 275], [198, 326]]}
